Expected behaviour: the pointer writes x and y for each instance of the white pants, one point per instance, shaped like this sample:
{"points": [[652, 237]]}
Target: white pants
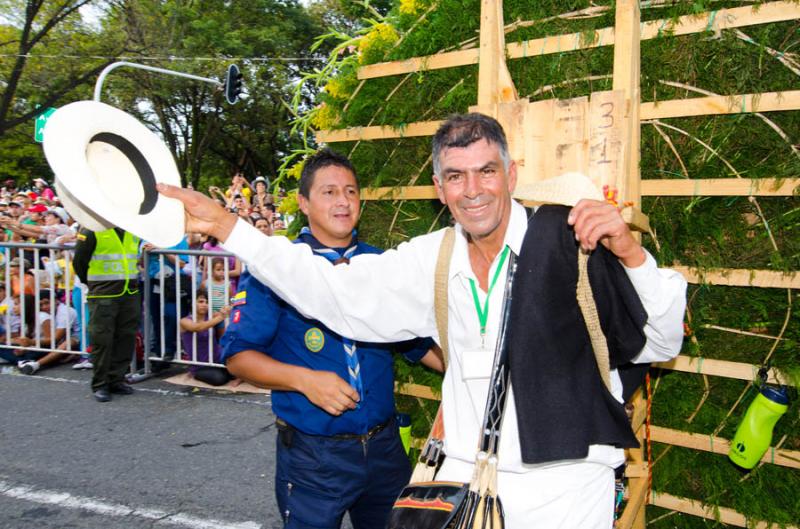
{"points": [[568, 496]]}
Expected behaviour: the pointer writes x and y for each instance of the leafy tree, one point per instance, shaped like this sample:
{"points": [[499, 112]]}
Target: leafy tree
{"points": [[48, 52], [210, 139]]}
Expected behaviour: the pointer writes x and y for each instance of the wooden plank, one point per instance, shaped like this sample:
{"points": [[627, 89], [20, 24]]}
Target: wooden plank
{"points": [[735, 277], [637, 492], [635, 219], [763, 187], [569, 147], [719, 445], [633, 516], [715, 20], [720, 368], [605, 122], [626, 78], [638, 470], [494, 82], [721, 105], [450, 59], [688, 24], [757, 187], [379, 132], [710, 512], [672, 108], [511, 116], [399, 193], [538, 122], [417, 390], [639, 409]]}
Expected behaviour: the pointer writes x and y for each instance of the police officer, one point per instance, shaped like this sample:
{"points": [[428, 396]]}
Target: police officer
{"points": [[338, 447], [107, 262]]}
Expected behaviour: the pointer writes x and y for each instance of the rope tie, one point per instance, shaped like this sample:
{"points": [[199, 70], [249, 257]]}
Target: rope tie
{"points": [[711, 18]]}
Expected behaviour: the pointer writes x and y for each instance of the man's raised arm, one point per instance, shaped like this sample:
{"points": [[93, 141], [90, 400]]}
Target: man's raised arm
{"points": [[376, 298]]}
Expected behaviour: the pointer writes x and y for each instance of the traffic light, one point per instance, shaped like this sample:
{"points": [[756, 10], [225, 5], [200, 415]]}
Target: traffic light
{"points": [[233, 84]]}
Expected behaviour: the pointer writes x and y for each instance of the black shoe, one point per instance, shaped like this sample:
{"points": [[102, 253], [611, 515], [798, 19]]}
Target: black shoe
{"points": [[102, 395], [120, 388]]}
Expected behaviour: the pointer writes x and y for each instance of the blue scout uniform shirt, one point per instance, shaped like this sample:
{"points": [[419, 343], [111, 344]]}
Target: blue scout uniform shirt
{"points": [[263, 322]]}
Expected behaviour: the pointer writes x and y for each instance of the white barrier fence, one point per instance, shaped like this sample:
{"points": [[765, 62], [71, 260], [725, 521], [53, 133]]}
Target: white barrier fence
{"points": [[44, 272]]}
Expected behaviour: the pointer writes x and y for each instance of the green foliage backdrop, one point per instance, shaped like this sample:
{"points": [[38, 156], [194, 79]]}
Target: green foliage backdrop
{"points": [[732, 232]]}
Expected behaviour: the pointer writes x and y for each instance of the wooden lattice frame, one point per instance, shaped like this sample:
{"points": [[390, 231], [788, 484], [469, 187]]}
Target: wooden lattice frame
{"points": [[495, 88]]}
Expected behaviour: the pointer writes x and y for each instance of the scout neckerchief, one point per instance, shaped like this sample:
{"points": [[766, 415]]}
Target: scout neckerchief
{"points": [[483, 312], [339, 256]]}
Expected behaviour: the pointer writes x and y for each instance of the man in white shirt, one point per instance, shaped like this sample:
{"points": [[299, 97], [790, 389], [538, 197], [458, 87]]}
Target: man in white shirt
{"points": [[475, 178]]}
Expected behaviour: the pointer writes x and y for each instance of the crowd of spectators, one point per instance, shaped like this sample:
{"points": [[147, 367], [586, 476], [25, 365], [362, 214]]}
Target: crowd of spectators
{"points": [[43, 316]]}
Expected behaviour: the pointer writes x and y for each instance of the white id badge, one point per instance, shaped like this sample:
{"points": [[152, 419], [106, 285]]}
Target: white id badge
{"points": [[476, 363]]}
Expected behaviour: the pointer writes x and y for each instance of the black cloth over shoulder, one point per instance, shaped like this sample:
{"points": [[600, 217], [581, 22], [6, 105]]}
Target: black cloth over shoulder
{"points": [[562, 404]]}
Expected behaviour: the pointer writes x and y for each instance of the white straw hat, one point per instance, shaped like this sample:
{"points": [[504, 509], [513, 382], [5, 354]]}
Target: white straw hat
{"points": [[107, 165], [566, 189]]}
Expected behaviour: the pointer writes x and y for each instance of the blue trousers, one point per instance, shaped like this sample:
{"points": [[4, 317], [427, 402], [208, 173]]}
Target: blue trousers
{"points": [[318, 479]]}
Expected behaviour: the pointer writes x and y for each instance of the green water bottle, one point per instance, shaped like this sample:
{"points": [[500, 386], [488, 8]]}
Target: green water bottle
{"points": [[754, 434], [404, 424]]}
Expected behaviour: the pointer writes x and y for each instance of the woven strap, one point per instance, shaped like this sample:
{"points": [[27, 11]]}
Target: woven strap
{"points": [[423, 471], [590, 316], [440, 290]]}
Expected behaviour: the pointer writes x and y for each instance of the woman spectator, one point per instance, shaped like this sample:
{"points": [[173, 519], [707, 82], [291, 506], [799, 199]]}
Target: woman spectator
{"points": [[200, 341], [262, 197]]}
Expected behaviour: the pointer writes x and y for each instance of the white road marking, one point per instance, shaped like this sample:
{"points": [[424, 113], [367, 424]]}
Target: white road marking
{"points": [[99, 506]]}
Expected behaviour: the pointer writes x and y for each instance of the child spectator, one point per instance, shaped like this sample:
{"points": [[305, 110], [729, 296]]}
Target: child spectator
{"points": [[219, 290], [234, 265], [199, 337]]}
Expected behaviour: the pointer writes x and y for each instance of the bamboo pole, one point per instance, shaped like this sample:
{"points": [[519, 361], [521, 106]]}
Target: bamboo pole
{"points": [[710, 512], [719, 445]]}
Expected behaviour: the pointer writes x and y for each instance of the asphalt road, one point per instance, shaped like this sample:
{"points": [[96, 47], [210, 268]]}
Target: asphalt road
{"points": [[167, 456]]}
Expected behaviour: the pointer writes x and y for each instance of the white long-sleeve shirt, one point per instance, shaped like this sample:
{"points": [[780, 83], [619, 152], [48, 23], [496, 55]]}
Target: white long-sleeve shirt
{"points": [[389, 297]]}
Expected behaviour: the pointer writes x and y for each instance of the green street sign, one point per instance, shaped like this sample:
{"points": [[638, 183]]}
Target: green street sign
{"points": [[41, 120]]}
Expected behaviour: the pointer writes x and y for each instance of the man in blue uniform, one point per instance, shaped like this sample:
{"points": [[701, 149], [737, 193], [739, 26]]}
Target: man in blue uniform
{"points": [[338, 447]]}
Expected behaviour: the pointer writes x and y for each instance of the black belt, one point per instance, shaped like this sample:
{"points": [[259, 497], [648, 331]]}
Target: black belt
{"points": [[372, 432]]}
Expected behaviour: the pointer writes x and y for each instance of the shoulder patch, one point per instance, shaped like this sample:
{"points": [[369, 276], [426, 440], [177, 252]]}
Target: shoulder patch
{"points": [[239, 299], [81, 237], [315, 339]]}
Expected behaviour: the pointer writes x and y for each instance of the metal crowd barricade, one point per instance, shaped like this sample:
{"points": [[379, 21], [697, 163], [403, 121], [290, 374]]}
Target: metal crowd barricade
{"points": [[186, 288], [47, 275]]}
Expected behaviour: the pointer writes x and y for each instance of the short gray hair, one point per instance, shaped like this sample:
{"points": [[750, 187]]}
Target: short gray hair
{"points": [[462, 130]]}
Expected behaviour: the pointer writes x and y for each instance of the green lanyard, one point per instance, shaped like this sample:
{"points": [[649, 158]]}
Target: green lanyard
{"points": [[483, 314]]}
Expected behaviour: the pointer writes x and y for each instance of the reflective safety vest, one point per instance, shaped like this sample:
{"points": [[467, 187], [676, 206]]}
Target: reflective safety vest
{"points": [[114, 260]]}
